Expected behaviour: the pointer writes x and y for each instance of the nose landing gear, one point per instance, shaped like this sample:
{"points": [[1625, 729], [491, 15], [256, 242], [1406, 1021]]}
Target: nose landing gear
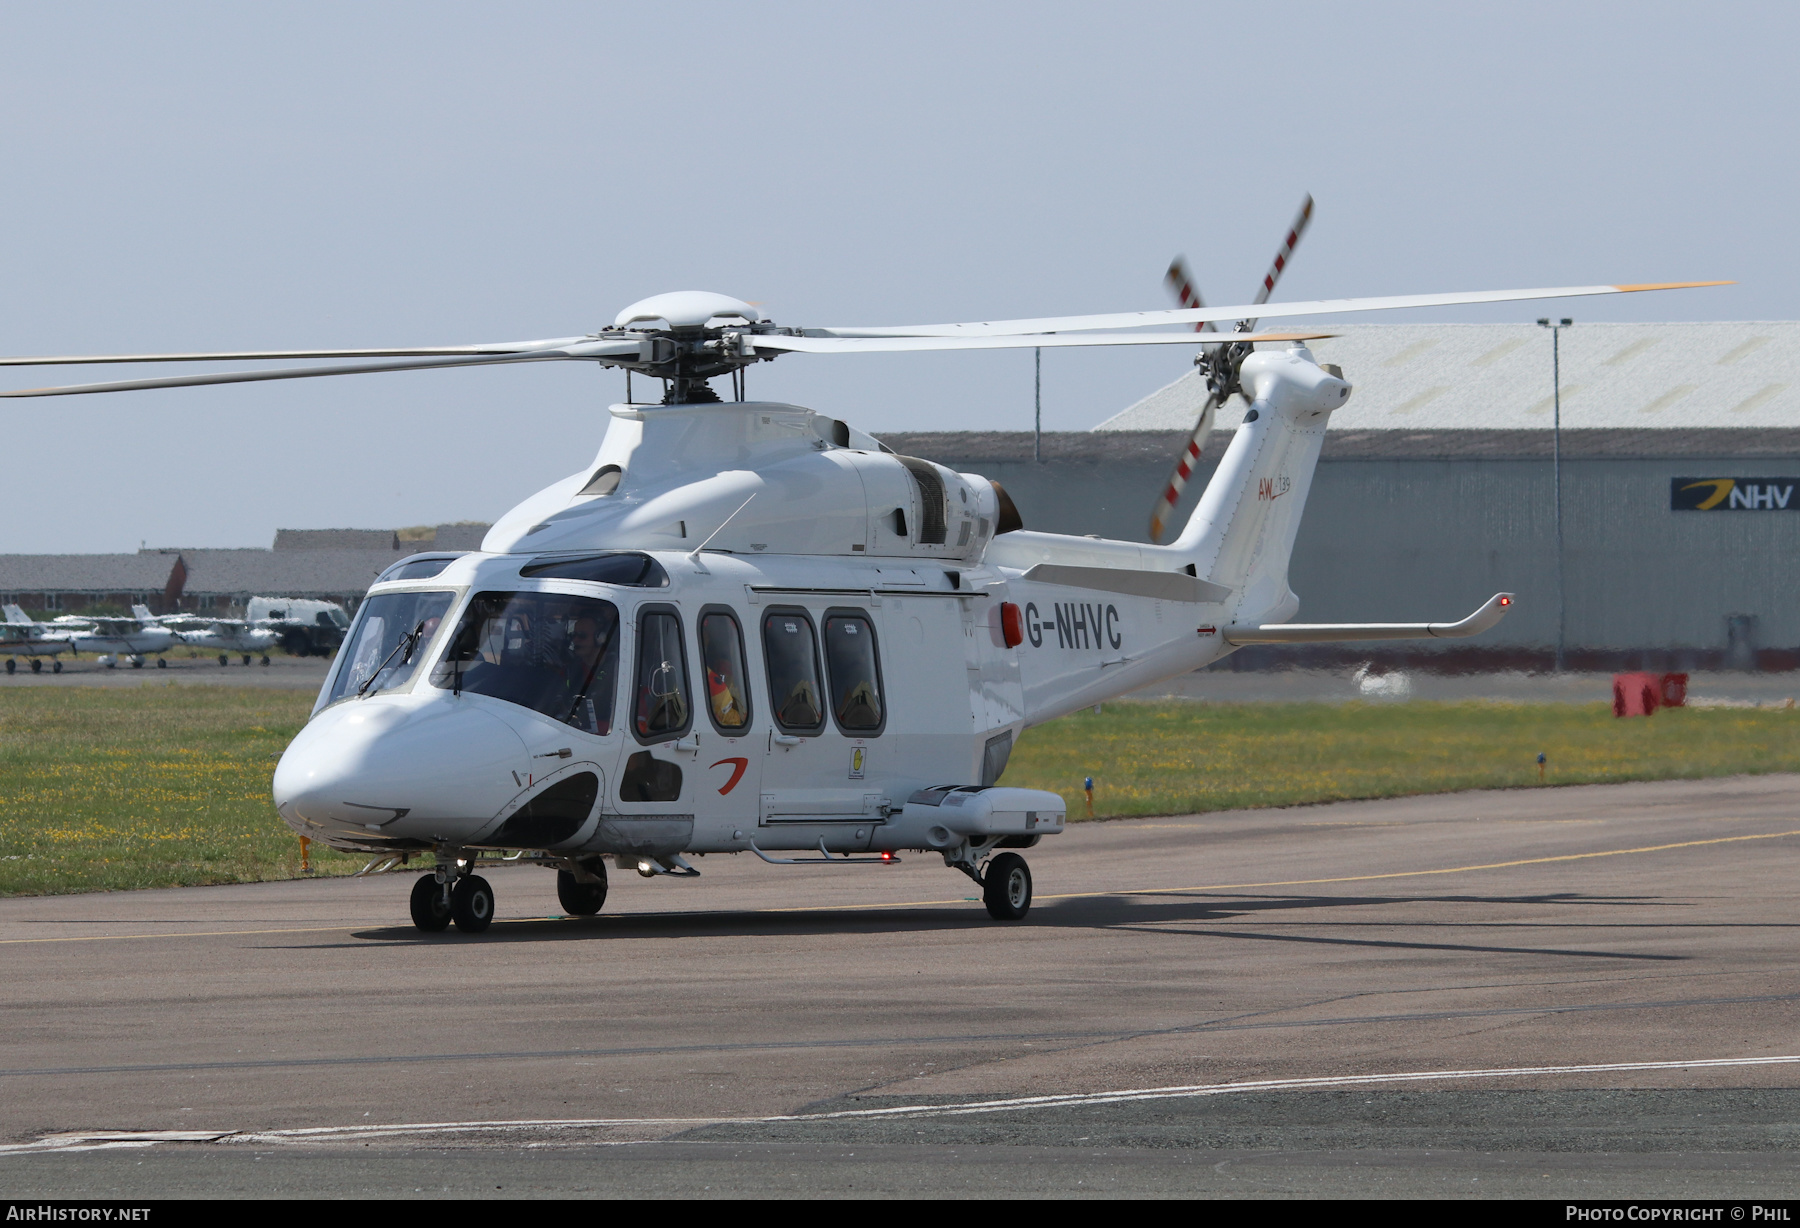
{"points": [[430, 904], [441, 898], [472, 904]]}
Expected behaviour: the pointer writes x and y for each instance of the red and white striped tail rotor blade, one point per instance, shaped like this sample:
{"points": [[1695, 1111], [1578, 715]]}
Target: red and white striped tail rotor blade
{"points": [[1285, 252], [1181, 284], [1184, 469]]}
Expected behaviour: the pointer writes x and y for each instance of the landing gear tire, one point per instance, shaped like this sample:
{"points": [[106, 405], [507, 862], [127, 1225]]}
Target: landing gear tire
{"points": [[162, 663], [224, 660], [472, 904], [581, 899], [56, 667], [430, 911], [265, 660], [1006, 888], [137, 663], [12, 666], [37, 667]]}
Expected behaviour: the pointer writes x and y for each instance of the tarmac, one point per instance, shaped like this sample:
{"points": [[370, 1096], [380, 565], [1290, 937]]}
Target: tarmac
{"points": [[1569, 993], [1725, 688]]}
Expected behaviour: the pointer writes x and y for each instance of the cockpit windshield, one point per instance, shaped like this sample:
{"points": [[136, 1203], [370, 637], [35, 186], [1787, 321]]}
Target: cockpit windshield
{"points": [[392, 633], [549, 652]]}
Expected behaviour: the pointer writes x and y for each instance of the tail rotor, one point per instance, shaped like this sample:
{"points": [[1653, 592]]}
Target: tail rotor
{"points": [[1219, 363]]}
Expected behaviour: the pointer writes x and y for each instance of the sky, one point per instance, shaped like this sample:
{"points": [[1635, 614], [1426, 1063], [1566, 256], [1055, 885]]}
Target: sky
{"points": [[195, 176]]}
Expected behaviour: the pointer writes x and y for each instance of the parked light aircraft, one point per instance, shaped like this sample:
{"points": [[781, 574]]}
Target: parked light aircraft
{"points": [[748, 627], [110, 638], [227, 635], [23, 636]]}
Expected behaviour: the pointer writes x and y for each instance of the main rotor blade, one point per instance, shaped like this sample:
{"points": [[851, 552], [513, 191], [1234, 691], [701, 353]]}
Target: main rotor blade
{"points": [[1147, 319], [882, 345], [586, 350], [503, 347]]}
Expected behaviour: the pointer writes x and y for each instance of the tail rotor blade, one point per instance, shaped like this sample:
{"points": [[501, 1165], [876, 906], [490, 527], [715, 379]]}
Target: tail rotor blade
{"points": [[1283, 254], [1182, 285], [1184, 469]]}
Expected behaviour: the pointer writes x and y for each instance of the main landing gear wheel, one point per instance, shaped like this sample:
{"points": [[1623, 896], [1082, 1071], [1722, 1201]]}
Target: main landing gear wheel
{"points": [[581, 899], [1006, 888], [472, 904], [37, 666], [224, 660], [56, 667], [12, 666], [430, 911], [247, 660], [162, 663]]}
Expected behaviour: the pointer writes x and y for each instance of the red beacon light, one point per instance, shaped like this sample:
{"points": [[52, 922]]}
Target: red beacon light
{"points": [[1012, 624], [1506, 601]]}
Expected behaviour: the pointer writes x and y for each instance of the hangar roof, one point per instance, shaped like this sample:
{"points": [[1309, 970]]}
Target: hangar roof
{"points": [[1633, 377]]}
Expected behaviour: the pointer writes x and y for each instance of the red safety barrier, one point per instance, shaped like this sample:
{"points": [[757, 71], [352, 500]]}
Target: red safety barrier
{"points": [[1643, 694], [1674, 691]]}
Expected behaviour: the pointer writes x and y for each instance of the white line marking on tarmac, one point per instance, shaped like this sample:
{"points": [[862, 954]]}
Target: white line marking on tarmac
{"points": [[104, 1140]]}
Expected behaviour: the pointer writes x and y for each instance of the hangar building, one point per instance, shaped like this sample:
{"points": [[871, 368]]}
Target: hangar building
{"points": [[1436, 490]]}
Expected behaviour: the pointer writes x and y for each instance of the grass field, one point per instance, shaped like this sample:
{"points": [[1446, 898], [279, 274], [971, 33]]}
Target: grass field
{"points": [[1182, 758], [104, 789]]}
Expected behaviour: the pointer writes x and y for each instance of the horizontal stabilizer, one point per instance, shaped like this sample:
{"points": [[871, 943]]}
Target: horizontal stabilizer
{"points": [[1491, 612], [1163, 585]]}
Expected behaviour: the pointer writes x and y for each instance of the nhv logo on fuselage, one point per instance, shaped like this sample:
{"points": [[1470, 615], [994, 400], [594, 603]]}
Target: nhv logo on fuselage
{"points": [[1733, 494]]}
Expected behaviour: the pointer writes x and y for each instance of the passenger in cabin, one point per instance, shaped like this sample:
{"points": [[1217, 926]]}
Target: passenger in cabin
{"points": [[724, 687]]}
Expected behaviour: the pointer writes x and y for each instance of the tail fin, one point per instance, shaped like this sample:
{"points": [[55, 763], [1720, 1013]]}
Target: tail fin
{"points": [[16, 616], [142, 613], [1242, 533]]}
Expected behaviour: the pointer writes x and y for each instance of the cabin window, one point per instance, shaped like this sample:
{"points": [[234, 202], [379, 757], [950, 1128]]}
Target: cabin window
{"points": [[793, 659], [549, 652], [661, 709], [722, 657], [392, 633], [855, 673]]}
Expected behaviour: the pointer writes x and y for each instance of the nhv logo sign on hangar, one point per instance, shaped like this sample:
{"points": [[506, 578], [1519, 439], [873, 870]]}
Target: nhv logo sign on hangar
{"points": [[1733, 494]]}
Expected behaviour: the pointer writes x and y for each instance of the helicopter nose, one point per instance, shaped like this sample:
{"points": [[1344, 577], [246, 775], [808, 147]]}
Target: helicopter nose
{"points": [[381, 766]]}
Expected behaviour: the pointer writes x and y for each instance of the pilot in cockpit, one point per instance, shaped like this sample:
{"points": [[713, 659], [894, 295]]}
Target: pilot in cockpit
{"points": [[585, 679]]}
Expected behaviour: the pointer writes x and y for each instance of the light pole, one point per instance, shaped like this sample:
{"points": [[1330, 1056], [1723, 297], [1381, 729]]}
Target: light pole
{"points": [[1037, 422], [1562, 605]]}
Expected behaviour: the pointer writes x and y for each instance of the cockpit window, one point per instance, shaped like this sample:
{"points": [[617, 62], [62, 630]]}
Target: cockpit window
{"points": [[552, 653], [392, 632], [631, 570], [417, 568]]}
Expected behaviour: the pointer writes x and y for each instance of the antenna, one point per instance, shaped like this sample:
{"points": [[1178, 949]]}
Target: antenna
{"points": [[694, 554]]}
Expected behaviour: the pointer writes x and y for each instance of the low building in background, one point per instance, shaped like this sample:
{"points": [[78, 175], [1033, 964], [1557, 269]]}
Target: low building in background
{"points": [[335, 565]]}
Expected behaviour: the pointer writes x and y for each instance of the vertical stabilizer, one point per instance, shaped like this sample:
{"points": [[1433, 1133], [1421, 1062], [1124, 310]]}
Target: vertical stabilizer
{"points": [[1242, 533], [16, 616]]}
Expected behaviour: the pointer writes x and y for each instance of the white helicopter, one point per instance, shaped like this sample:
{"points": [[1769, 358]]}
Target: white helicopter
{"points": [[747, 627]]}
